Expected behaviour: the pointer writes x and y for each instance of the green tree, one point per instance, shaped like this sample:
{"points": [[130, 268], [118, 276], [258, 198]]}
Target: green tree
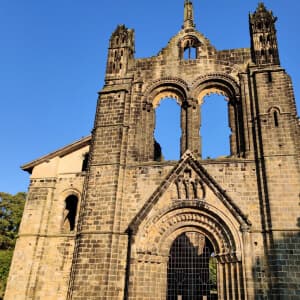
{"points": [[11, 209]]}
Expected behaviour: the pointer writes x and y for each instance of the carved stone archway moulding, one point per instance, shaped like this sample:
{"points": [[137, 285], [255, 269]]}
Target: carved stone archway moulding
{"points": [[153, 240], [157, 234], [191, 94], [218, 83]]}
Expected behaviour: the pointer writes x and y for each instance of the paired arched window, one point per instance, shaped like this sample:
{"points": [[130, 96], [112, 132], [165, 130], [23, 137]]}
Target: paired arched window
{"points": [[210, 125]]}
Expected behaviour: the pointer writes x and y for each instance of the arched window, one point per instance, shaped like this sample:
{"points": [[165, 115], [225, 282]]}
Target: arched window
{"points": [[189, 46], [70, 213], [192, 268], [261, 38], [215, 131], [190, 53], [167, 130], [275, 116]]}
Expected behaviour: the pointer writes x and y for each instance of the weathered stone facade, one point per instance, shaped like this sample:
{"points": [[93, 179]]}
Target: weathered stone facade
{"points": [[107, 231]]}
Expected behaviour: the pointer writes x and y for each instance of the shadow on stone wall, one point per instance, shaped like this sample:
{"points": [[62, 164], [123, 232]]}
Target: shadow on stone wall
{"points": [[278, 276]]}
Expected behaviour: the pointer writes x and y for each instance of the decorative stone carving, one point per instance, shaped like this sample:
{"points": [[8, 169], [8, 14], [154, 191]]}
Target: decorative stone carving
{"points": [[189, 186]]}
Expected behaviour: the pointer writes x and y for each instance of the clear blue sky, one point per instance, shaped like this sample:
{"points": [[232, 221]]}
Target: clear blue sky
{"points": [[53, 56]]}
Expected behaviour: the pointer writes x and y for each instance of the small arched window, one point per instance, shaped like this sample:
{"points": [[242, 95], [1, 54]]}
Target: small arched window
{"points": [[274, 114], [190, 53], [275, 117], [189, 48], [261, 39], [70, 213]]}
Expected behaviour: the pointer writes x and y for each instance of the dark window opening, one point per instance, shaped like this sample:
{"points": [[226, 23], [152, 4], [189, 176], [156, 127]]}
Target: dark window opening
{"points": [[270, 79], [275, 116], [215, 131], [157, 151], [261, 39], [259, 26], [192, 268], [167, 131], [85, 162], [190, 53], [70, 213]]}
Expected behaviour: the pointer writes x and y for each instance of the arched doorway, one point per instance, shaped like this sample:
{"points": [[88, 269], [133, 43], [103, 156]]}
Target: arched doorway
{"points": [[194, 254], [192, 268]]}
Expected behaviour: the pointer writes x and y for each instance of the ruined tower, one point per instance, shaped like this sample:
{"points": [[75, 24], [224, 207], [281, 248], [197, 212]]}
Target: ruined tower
{"points": [[108, 218]]}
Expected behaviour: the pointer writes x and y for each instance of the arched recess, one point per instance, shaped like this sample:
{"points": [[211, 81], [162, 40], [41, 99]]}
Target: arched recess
{"points": [[274, 114], [154, 240], [189, 47], [225, 85], [71, 202], [164, 88]]}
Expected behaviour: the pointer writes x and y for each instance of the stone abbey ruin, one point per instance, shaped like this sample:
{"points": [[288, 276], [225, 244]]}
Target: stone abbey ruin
{"points": [[107, 218]]}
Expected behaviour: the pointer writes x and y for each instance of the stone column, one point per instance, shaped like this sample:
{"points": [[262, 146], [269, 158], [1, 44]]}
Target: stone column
{"points": [[190, 123]]}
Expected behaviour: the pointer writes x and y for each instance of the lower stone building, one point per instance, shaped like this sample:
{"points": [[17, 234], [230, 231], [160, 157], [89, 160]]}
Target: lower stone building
{"points": [[108, 218]]}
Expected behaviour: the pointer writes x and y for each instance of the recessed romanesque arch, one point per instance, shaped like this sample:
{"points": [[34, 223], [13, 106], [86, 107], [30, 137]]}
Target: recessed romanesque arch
{"points": [[153, 240], [166, 87], [221, 82], [170, 222], [70, 200]]}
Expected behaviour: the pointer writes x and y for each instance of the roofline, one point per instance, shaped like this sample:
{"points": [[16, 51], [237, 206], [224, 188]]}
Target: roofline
{"points": [[60, 152]]}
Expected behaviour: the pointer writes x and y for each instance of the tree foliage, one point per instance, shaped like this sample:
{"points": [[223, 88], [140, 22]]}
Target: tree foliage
{"points": [[5, 260], [11, 209]]}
